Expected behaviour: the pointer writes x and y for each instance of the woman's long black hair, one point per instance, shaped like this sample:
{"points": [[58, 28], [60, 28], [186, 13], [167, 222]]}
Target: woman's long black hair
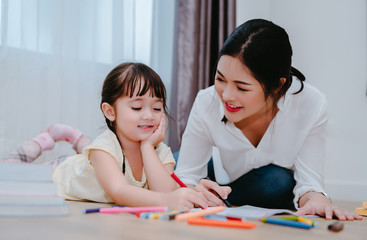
{"points": [[265, 49]]}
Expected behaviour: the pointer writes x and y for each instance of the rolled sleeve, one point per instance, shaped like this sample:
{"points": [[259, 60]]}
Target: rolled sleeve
{"points": [[196, 147], [309, 164]]}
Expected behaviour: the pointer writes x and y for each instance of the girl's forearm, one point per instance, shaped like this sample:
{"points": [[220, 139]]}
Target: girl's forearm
{"points": [[132, 196], [158, 177]]}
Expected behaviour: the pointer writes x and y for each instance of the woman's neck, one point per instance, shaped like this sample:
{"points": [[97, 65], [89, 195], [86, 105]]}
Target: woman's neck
{"points": [[255, 126]]}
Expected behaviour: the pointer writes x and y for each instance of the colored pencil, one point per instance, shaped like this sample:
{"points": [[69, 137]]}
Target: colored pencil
{"points": [[133, 209], [173, 175], [169, 216], [199, 213], [285, 222], [220, 223]]}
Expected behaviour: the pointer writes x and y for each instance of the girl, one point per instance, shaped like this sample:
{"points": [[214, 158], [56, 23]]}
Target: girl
{"points": [[270, 132], [129, 158]]}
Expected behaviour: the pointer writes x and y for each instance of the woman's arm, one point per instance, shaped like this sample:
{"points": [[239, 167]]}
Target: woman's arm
{"points": [[196, 149], [317, 203], [196, 146], [116, 186], [309, 168]]}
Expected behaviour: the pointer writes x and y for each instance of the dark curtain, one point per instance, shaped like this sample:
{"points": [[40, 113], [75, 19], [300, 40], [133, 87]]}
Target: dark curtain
{"points": [[202, 27]]}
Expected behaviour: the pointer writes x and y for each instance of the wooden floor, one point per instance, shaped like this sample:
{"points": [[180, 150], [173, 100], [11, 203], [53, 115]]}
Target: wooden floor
{"points": [[78, 225]]}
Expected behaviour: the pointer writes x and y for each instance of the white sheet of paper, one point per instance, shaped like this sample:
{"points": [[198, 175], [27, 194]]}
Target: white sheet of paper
{"points": [[251, 212]]}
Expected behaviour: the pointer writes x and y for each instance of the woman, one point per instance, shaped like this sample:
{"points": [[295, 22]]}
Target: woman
{"points": [[268, 129]]}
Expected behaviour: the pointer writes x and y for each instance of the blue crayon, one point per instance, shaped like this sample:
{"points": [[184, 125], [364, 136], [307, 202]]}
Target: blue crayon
{"points": [[145, 215], [91, 210], [285, 222], [94, 210]]}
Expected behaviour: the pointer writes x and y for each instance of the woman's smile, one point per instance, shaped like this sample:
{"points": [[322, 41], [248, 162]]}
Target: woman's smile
{"points": [[232, 108]]}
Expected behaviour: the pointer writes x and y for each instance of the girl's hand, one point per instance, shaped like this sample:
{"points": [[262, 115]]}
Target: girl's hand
{"points": [[318, 204], [158, 134], [184, 199], [209, 190]]}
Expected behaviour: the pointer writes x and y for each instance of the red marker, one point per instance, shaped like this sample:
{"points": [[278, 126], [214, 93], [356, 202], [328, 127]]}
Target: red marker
{"points": [[173, 175]]}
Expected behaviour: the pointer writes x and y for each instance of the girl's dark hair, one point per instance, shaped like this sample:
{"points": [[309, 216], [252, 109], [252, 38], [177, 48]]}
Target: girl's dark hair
{"points": [[264, 48], [125, 78]]}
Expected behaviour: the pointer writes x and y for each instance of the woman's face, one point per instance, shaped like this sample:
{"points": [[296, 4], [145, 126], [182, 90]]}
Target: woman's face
{"points": [[242, 96]]}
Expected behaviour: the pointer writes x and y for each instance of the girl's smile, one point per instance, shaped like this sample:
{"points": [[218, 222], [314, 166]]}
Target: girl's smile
{"points": [[146, 127]]}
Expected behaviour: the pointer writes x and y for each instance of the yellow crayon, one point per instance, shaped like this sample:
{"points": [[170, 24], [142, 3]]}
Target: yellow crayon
{"points": [[305, 220]]}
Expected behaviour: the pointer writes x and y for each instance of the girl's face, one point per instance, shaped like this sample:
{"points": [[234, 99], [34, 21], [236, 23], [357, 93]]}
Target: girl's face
{"points": [[241, 94], [136, 118]]}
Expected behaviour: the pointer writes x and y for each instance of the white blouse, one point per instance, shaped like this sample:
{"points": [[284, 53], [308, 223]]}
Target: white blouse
{"points": [[295, 139]]}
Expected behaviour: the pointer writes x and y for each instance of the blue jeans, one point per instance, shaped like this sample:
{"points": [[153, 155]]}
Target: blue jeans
{"points": [[270, 186]]}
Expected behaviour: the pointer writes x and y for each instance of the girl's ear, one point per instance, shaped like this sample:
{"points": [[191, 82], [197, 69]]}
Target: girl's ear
{"points": [[108, 111]]}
